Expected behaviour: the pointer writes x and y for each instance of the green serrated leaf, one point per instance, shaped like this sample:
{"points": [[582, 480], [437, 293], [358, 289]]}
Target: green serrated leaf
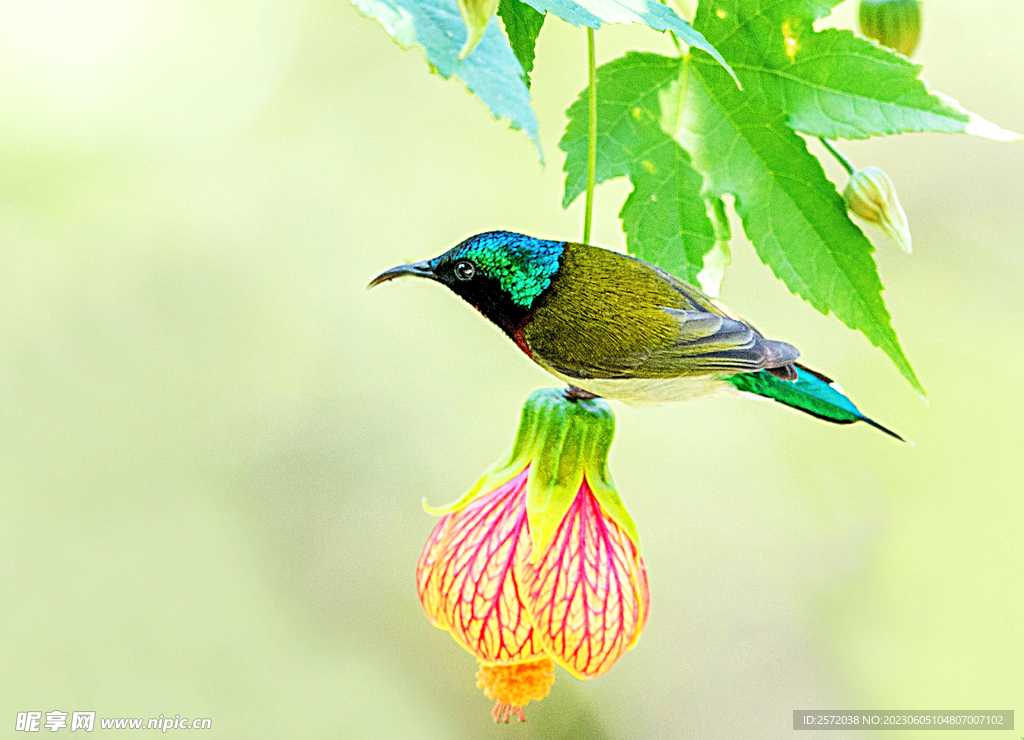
{"points": [[665, 217], [491, 71], [720, 257], [628, 119], [831, 83], [790, 211], [656, 15], [522, 24]]}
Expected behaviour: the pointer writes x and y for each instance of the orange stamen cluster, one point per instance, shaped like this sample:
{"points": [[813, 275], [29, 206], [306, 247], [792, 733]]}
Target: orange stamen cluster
{"points": [[514, 686]]}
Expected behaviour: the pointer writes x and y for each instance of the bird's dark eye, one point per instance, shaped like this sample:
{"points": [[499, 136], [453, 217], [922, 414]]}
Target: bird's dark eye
{"points": [[464, 270]]}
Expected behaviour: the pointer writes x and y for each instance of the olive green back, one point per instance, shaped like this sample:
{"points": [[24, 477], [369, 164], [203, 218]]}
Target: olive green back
{"points": [[603, 305]]}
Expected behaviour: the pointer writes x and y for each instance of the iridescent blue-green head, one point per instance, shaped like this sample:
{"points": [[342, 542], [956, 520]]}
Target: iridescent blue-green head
{"points": [[500, 273]]}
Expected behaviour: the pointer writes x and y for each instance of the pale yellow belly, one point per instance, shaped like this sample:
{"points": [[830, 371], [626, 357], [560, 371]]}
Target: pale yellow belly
{"points": [[652, 391]]}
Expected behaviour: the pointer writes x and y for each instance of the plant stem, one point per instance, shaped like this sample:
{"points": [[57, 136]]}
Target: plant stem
{"points": [[839, 157], [675, 40], [591, 136]]}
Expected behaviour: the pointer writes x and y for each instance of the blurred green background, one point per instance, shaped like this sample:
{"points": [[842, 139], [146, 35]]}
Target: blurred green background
{"points": [[214, 442]]}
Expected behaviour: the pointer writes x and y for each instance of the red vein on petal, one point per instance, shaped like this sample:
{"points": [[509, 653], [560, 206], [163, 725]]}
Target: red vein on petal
{"points": [[478, 590], [587, 593]]}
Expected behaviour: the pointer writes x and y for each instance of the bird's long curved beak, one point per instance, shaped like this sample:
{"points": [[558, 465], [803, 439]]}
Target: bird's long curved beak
{"points": [[416, 269]]}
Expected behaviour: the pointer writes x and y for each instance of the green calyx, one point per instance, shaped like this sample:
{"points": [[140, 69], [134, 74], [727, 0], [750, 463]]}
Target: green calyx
{"points": [[561, 441]]}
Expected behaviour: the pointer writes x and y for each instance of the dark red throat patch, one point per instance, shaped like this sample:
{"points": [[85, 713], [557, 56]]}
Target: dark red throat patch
{"points": [[519, 339]]}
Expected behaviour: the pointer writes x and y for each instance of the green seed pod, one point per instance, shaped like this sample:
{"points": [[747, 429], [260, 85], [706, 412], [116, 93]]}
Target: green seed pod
{"points": [[892, 23], [871, 195]]}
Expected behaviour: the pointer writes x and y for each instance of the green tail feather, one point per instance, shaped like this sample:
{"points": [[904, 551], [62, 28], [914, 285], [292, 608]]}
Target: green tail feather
{"points": [[811, 393]]}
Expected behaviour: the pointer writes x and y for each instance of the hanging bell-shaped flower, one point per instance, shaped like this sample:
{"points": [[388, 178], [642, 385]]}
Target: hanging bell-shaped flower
{"points": [[538, 564]]}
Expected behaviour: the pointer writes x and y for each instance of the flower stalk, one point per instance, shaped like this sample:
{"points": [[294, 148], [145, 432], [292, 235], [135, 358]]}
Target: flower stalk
{"points": [[588, 214]]}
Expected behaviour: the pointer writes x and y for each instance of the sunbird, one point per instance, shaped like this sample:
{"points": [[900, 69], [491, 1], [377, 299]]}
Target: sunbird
{"points": [[615, 326]]}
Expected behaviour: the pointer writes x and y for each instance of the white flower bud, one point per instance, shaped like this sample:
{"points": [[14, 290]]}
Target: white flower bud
{"points": [[871, 195]]}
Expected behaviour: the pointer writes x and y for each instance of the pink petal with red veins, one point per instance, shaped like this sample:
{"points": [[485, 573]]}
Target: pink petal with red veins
{"points": [[426, 582], [468, 576], [587, 594]]}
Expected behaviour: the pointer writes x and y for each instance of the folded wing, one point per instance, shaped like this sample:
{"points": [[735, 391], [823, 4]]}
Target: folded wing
{"points": [[612, 316], [705, 343]]}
